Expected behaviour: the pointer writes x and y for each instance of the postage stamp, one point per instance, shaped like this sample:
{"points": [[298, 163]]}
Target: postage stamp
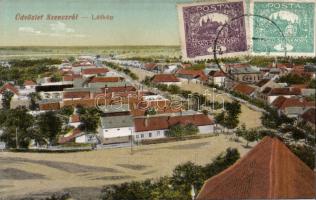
{"points": [[200, 24], [283, 27]]}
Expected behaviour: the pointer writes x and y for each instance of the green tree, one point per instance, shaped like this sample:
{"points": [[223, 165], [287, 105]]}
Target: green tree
{"points": [[90, 120], [6, 99], [16, 123], [66, 110], [34, 97], [50, 126]]}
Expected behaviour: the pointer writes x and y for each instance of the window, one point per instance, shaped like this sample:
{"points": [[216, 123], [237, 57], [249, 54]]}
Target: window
{"points": [[137, 136], [149, 134], [142, 135], [158, 133], [106, 130], [118, 129]]}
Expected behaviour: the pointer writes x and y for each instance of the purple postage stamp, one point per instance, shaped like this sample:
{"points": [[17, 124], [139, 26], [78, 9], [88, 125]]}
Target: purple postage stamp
{"points": [[201, 24]]}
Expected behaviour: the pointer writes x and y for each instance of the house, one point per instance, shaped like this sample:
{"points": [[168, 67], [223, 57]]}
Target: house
{"points": [[244, 89], [217, 78], [248, 74], [17, 99], [291, 107], [74, 120], [268, 171], [309, 116], [192, 76], [170, 69], [151, 67], [70, 136], [52, 90], [83, 138], [270, 94], [167, 79], [264, 83], [155, 127], [116, 129], [94, 72], [29, 85]]}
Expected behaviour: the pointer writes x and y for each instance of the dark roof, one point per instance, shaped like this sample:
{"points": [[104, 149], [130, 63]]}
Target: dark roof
{"points": [[282, 91], [310, 115], [262, 82], [161, 78], [269, 171]]}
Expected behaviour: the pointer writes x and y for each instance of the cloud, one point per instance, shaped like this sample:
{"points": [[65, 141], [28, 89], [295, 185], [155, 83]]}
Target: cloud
{"points": [[60, 27], [29, 30], [57, 29]]}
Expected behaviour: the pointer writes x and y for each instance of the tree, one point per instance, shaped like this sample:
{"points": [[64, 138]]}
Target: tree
{"points": [[15, 124], [6, 99], [90, 120], [250, 136], [190, 129], [66, 110], [34, 97], [49, 126]]}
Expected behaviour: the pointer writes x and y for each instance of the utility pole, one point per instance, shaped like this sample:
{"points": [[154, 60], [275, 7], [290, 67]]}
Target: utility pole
{"points": [[16, 138], [131, 141]]}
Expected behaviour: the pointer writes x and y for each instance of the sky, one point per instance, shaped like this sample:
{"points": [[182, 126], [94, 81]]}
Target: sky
{"points": [[135, 22]]}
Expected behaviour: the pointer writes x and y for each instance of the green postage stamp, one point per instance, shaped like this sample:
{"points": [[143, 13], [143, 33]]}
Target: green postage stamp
{"points": [[283, 27]]}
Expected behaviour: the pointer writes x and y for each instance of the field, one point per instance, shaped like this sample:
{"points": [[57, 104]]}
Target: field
{"points": [[83, 174]]}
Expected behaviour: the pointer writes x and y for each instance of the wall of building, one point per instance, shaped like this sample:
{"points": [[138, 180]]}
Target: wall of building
{"points": [[117, 132], [155, 134]]}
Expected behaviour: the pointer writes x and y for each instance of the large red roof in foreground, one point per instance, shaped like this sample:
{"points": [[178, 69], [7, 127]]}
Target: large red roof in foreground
{"points": [[269, 171]]}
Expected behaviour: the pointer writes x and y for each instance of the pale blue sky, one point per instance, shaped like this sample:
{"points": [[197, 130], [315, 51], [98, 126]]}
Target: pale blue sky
{"points": [[136, 22]]}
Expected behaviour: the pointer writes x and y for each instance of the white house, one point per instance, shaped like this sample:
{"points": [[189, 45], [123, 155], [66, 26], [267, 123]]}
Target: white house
{"points": [[155, 127], [116, 129], [167, 79]]}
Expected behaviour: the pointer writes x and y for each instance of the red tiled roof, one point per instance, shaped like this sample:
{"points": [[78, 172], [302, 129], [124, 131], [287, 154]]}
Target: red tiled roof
{"points": [[300, 86], [193, 73], [244, 89], [75, 132], [282, 91], [161, 78], [49, 106], [310, 115], [217, 73], [150, 66], [95, 71], [29, 82], [74, 118], [268, 171], [73, 95], [10, 87], [164, 122], [81, 64], [283, 102], [118, 89], [71, 77], [105, 79]]}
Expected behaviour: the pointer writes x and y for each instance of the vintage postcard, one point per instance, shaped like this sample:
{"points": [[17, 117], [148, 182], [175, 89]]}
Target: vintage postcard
{"points": [[157, 100], [283, 28], [213, 25]]}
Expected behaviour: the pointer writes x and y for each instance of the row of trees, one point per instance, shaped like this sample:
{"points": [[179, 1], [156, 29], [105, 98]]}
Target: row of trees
{"points": [[121, 69], [20, 128], [178, 186], [22, 70]]}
